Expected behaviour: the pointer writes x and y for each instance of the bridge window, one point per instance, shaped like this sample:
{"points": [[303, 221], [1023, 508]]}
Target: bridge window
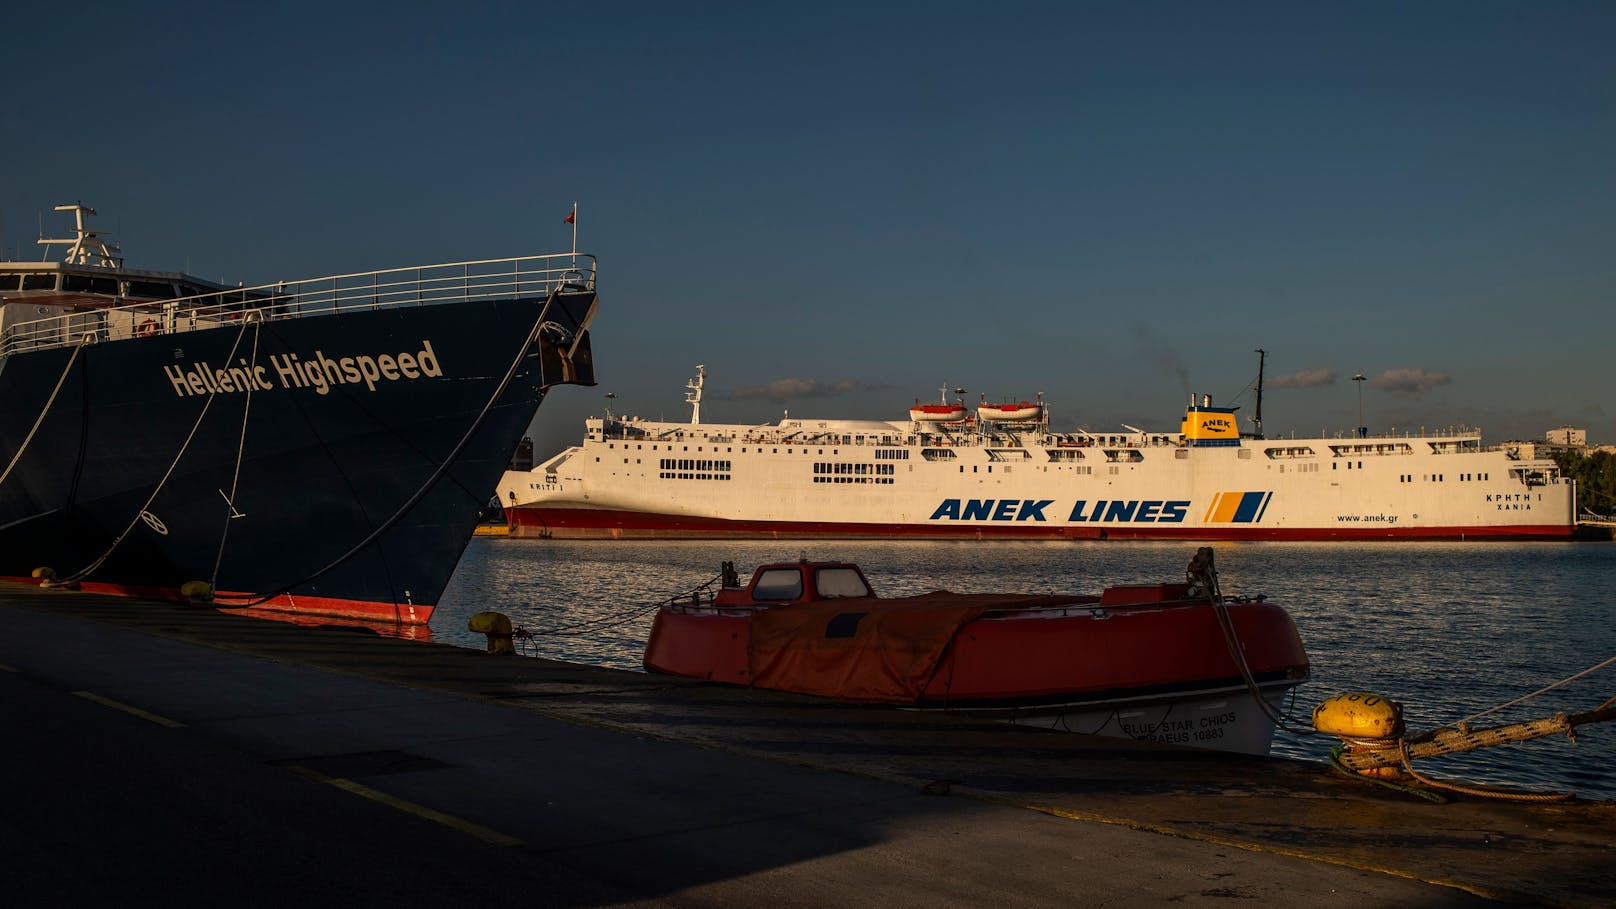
{"points": [[153, 289], [38, 282], [90, 284]]}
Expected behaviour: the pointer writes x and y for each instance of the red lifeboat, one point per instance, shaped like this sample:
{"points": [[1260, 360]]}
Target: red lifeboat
{"points": [[937, 413], [1148, 662], [1009, 413]]}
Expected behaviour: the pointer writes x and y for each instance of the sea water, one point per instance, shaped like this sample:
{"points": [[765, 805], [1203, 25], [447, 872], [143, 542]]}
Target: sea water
{"points": [[1447, 629]]}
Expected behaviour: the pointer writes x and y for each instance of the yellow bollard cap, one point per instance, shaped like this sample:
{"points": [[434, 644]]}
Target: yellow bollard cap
{"points": [[1359, 715], [490, 623]]}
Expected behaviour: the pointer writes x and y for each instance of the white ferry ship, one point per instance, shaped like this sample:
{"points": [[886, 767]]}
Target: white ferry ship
{"points": [[999, 471]]}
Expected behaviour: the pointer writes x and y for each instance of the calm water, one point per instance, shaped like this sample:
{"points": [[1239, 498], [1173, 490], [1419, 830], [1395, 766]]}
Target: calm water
{"points": [[1448, 629]]}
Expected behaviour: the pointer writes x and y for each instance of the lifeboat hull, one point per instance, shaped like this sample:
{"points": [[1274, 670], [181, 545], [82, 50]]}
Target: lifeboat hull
{"points": [[1156, 671], [1008, 413], [934, 413]]}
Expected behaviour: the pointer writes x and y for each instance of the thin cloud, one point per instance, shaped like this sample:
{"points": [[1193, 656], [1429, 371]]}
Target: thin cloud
{"points": [[1409, 381], [1156, 352], [792, 389], [1306, 378]]}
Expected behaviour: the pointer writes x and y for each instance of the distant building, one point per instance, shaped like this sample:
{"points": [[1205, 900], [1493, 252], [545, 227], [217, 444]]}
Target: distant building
{"points": [[1566, 437]]}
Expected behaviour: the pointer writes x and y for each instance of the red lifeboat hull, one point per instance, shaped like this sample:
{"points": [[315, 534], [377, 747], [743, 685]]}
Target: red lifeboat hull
{"points": [[1140, 662], [937, 413], [1009, 412]]}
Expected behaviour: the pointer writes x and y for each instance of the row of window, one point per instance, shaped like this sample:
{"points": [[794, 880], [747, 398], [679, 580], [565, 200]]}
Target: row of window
{"points": [[94, 284], [892, 454], [729, 449], [694, 464], [1439, 477], [855, 469], [694, 469]]}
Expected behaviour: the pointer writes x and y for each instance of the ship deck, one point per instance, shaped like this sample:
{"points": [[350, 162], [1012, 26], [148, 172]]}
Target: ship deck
{"points": [[382, 770]]}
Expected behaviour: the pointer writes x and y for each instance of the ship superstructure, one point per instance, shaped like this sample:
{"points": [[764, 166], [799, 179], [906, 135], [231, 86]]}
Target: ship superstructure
{"points": [[999, 470]]}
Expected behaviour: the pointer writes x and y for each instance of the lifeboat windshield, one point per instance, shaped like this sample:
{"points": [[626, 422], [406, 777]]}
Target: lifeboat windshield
{"points": [[778, 584], [837, 583]]}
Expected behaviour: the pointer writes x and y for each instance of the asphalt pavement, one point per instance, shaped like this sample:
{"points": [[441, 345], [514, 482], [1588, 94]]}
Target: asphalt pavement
{"points": [[157, 754]]}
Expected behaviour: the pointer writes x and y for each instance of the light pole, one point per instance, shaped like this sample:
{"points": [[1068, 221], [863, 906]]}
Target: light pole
{"points": [[1358, 379]]}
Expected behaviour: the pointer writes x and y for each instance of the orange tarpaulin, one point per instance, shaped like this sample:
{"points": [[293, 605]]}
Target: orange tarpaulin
{"points": [[866, 649]]}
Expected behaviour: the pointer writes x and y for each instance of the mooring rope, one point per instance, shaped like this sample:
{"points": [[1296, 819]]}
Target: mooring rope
{"points": [[60, 381], [590, 626], [1491, 792], [85, 572], [1545, 689], [258, 599], [1201, 573], [241, 452]]}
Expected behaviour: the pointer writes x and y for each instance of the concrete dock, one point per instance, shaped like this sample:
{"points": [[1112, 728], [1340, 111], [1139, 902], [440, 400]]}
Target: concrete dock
{"points": [[157, 752]]}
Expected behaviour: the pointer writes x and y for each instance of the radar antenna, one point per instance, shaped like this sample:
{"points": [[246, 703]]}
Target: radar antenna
{"points": [[86, 247]]}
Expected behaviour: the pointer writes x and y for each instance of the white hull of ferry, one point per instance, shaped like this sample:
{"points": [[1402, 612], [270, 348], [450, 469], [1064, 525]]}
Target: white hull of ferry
{"points": [[810, 478]]}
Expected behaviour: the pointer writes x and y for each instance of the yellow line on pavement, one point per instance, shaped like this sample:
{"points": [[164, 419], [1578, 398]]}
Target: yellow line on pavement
{"points": [[8, 668], [132, 711], [447, 820]]}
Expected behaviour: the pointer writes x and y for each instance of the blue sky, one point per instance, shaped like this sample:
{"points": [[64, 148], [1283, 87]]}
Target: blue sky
{"points": [[840, 207]]}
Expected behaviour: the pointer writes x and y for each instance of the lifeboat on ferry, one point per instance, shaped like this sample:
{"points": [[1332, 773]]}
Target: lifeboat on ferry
{"points": [[937, 413], [1176, 663], [1009, 413]]}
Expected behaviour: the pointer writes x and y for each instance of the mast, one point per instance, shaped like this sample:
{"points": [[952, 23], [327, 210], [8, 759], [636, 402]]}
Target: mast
{"points": [[693, 396], [1257, 420], [86, 247]]}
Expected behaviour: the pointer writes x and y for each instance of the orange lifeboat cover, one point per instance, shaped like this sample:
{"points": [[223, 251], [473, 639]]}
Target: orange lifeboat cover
{"points": [[866, 649]]}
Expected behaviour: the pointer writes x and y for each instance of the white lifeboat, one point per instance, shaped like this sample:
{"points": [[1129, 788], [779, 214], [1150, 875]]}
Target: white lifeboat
{"points": [[1005, 413], [937, 413]]}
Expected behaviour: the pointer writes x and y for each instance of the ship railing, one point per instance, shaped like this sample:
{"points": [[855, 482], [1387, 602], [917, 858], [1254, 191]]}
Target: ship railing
{"points": [[420, 285]]}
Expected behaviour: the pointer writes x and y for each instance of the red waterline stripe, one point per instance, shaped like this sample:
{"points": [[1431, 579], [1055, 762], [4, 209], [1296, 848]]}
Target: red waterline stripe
{"points": [[582, 523], [365, 610]]}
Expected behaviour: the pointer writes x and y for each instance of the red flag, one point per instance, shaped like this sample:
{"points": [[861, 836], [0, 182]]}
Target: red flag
{"points": [[568, 218]]}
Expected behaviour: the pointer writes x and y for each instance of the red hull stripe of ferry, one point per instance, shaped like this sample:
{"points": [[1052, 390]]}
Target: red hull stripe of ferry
{"points": [[390, 613], [591, 523]]}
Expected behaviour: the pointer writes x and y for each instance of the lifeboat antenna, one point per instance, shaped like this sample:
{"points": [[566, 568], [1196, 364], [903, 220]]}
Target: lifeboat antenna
{"points": [[693, 396], [1257, 420]]}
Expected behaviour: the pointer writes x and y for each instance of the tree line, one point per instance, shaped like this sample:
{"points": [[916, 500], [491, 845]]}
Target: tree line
{"points": [[1596, 478]]}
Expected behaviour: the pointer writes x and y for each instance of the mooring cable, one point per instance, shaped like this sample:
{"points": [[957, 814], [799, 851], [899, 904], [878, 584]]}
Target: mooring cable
{"points": [[85, 572], [257, 599], [60, 381]]}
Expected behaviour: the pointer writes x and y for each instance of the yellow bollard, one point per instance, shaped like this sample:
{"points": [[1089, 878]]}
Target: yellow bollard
{"points": [[1359, 715], [197, 590], [1368, 725], [498, 629]]}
